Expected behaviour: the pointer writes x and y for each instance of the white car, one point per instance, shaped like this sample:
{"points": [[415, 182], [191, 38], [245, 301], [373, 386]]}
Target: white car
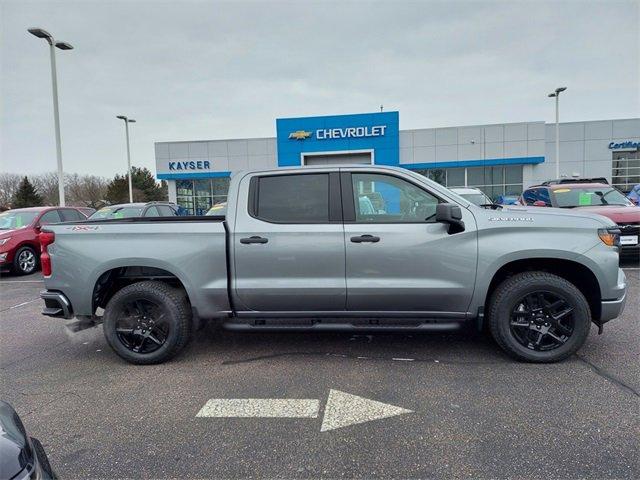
{"points": [[473, 195]]}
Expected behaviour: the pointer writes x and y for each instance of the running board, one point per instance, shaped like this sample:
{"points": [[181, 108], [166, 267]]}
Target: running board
{"points": [[344, 327]]}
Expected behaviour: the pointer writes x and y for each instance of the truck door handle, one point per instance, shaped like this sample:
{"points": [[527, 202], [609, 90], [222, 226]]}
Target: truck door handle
{"points": [[365, 238], [254, 239]]}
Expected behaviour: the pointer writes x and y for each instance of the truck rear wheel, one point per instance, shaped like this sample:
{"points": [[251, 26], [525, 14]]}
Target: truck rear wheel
{"points": [[539, 317], [147, 322]]}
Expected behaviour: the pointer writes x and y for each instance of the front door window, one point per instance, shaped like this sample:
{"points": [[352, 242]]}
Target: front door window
{"points": [[387, 199]]}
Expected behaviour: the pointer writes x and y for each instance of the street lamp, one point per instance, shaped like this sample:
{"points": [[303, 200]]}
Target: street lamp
{"points": [[127, 121], [40, 33], [556, 94]]}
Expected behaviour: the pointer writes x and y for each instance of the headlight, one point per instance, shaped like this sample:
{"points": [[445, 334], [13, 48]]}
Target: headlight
{"points": [[610, 236], [4, 240]]}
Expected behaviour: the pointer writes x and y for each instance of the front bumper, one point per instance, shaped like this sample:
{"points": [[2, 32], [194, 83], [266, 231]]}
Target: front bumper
{"points": [[610, 309], [56, 304]]}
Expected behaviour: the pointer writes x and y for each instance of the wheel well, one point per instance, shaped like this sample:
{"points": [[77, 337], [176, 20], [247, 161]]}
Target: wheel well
{"points": [[582, 277], [115, 279], [35, 247]]}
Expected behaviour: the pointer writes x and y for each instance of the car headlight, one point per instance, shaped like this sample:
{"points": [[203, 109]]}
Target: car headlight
{"points": [[610, 236], [4, 240]]}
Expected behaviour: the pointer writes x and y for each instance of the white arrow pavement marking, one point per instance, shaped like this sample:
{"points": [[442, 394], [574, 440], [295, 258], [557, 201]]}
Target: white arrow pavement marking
{"points": [[260, 407], [344, 409]]}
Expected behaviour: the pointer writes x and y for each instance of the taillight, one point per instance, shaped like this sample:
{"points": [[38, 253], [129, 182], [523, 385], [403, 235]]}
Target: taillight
{"points": [[46, 239]]}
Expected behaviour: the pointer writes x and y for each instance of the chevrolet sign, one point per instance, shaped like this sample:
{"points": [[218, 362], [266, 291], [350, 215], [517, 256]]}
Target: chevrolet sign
{"points": [[299, 135], [350, 132]]}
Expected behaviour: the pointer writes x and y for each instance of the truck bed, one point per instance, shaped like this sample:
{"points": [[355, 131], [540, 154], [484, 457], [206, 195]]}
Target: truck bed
{"points": [[193, 249]]}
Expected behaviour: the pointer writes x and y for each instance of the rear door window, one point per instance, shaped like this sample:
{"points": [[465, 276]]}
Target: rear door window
{"points": [[300, 198], [166, 211], [70, 215], [50, 217], [152, 212]]}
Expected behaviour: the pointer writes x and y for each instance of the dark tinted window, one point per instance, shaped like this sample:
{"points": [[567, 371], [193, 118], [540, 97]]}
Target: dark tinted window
{"points": [[69, 215], [530, 196], [294, 198], [543, 194], [50, 217], [166, 211]]}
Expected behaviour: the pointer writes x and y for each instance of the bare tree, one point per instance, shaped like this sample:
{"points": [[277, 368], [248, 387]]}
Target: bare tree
{"points": [[47, 186], [8, 185], [86, 190]]}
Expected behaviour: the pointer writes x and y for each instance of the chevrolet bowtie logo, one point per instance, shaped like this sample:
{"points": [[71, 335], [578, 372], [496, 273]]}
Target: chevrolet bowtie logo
{"points": [[299, 135]]}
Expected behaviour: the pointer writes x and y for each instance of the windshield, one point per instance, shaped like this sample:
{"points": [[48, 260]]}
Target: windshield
{"points": [[107, 213], [10, 220], [570, 197], [218, 209], [476, 198]]}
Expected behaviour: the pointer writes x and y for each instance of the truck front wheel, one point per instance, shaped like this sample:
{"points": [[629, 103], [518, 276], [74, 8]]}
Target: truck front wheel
{"points": [[539, 317], [147, 322]]}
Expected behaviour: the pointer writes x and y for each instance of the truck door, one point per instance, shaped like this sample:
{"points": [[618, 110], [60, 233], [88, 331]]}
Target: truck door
{"points": [[288, 246], [398, 258]]}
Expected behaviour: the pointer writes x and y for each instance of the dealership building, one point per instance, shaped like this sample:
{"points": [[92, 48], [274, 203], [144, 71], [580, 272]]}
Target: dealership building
{"points": [[500, 159]]}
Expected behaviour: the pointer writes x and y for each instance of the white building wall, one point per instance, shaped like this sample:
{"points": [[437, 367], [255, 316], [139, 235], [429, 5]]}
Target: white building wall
{"points": [[584, 148], [471, 143]]}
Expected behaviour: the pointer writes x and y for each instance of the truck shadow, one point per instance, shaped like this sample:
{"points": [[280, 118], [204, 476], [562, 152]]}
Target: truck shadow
{"points": [[457, 347]]}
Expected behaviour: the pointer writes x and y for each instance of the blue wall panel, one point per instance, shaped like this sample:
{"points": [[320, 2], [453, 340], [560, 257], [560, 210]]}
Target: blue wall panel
{"points": [[386, 146]]}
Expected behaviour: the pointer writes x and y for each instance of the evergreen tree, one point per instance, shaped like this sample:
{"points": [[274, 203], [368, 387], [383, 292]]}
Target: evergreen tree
{"points": [[26, 195], [145, 187]]}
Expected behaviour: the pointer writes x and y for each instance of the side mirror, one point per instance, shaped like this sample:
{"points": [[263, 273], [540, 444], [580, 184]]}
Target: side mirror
{"points": [[539, 203], [452, 215]]}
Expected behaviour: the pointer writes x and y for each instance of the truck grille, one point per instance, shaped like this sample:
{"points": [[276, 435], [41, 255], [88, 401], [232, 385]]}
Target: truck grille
{"points": [[629, 228]]}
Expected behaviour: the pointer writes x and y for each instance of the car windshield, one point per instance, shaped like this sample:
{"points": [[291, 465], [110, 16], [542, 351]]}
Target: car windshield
{"points": [[476, 198], [10, 220], [107, 213], [218, 209], [569, 197]]}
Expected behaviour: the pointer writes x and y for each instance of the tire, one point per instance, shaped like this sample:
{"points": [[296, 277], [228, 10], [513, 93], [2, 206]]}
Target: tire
{"points": [[130, 325], [25, 261], [42, 458], [528, 328]]}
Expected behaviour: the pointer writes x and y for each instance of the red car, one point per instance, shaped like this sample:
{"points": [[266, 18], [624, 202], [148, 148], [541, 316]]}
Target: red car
{"points": [[597, 198], [19, 229]]}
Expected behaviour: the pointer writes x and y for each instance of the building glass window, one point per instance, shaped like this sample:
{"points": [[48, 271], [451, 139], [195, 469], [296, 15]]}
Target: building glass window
{"points": [[626, 170], [198, 196], [492, 180]]}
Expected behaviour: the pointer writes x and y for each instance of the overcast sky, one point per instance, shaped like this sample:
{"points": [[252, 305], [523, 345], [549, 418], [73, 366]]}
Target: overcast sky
{"points": [[214, 70]]}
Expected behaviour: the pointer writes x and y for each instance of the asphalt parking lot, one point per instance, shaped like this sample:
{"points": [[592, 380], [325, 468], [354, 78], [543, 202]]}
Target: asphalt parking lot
{"points": [[463, 408]]}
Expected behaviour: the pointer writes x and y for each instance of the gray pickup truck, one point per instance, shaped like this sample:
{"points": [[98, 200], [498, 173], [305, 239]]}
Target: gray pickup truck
{"points": [[339, 248]]}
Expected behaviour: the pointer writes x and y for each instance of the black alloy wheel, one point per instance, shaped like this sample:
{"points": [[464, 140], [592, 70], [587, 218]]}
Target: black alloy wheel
{"points": [[538, 317], [542, 321], [148, 322], [142, 326]]}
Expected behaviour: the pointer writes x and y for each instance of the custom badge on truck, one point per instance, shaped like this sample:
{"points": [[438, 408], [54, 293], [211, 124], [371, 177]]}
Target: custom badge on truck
{"points": [[511, 219]]}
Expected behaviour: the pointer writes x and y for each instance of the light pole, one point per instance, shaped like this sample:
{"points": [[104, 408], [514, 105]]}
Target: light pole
{"points": [[556, 94], [40, 33], [127, 121]]}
